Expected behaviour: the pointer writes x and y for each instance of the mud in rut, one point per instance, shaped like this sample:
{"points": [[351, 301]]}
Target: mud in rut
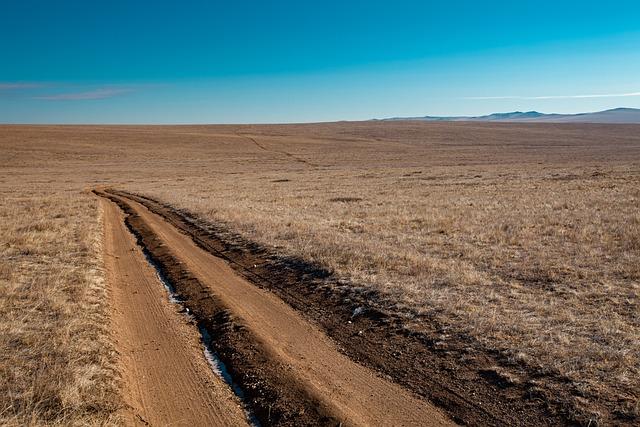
{"points": [[458, 379], [165, 377], [289, 371]]}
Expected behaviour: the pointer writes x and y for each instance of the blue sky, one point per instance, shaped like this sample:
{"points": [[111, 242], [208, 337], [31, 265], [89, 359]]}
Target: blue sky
{"points": [[293, 61]]}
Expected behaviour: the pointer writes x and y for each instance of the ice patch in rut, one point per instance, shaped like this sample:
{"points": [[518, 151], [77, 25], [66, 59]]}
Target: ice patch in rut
{"points": [[217, 365]]}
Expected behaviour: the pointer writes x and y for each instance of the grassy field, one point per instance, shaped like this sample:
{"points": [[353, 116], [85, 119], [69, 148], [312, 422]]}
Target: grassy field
{"points": [[524, 237], [57, 361]]}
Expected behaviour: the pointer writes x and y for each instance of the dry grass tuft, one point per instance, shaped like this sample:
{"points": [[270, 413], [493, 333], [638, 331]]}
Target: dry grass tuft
{"points": [[57, 363], [544, 271], [525, 238]]}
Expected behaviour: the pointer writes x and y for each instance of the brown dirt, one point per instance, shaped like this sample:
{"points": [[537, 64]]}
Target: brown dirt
{"points": [[293, 374], [166, 378], [509, 250], [460, 380]]}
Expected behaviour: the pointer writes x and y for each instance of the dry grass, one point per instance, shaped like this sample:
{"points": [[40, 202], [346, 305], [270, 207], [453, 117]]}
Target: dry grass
{"points": [[524, 237], [545, 270], [56, 366]]}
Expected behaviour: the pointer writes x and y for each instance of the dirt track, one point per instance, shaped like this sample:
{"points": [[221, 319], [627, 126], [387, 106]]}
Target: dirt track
{"points": [[166, 379], [289, 352]]}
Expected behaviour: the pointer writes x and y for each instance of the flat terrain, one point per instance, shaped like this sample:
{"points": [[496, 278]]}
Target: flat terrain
{"points": [[348, 392], [58, 363], [509, 250], [167, 380]]}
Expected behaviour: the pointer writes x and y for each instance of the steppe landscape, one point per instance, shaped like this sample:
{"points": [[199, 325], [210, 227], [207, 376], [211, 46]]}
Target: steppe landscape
{"points": [[343, 273]]}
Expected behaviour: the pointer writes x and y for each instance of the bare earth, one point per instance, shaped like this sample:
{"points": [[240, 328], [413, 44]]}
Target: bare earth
{"points": [[352, 394], [167, 380], [505, 255]]}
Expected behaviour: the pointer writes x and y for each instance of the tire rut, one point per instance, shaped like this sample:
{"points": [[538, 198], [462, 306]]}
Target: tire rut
{"points": [[291, 373], [455, 378], [165, 376]]}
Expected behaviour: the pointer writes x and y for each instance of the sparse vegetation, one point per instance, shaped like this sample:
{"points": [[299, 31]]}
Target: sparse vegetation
{"points": [[543, 270], [57, 365], [525, 238]]}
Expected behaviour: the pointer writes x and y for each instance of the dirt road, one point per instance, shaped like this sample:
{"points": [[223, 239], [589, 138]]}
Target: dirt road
{"points": [[291, 351], [166, 378]]}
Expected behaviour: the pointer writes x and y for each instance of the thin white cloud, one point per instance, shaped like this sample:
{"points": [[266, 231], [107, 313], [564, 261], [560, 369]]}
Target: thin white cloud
{"points": [[18, 85], [86, 95], [601, 95]]}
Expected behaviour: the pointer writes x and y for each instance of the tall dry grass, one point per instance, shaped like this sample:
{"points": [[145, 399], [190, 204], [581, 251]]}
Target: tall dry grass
{"points": [[57, 364]]}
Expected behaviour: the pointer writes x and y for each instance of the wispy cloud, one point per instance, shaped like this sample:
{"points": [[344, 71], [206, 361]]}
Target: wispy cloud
{"points": [[87, 95], [19, 85], [600, 95]]}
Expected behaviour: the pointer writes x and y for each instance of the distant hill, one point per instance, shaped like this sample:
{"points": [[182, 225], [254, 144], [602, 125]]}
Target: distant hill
{"points": [[617, 115]]}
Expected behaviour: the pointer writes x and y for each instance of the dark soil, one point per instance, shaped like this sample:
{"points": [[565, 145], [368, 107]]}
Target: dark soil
{"points": [[274, 397], [474, 387]]}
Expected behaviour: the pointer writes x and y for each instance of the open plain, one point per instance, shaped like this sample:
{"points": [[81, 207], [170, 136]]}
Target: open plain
{"points": [[479, 273]]}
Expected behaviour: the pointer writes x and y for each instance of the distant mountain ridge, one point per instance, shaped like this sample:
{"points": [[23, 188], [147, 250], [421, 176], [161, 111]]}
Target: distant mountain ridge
{"points": [[616, 115]]}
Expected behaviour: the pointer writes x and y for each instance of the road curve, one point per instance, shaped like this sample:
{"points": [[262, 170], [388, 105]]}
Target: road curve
{"points": [[352, 394]]}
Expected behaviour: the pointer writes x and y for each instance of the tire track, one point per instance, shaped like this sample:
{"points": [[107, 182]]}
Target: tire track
{"points": [[374, 338], [165, 376], [285, 153], [292, 373]]}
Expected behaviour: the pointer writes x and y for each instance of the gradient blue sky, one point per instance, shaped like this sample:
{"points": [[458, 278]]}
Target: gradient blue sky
{"points": [[291, 61]]}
